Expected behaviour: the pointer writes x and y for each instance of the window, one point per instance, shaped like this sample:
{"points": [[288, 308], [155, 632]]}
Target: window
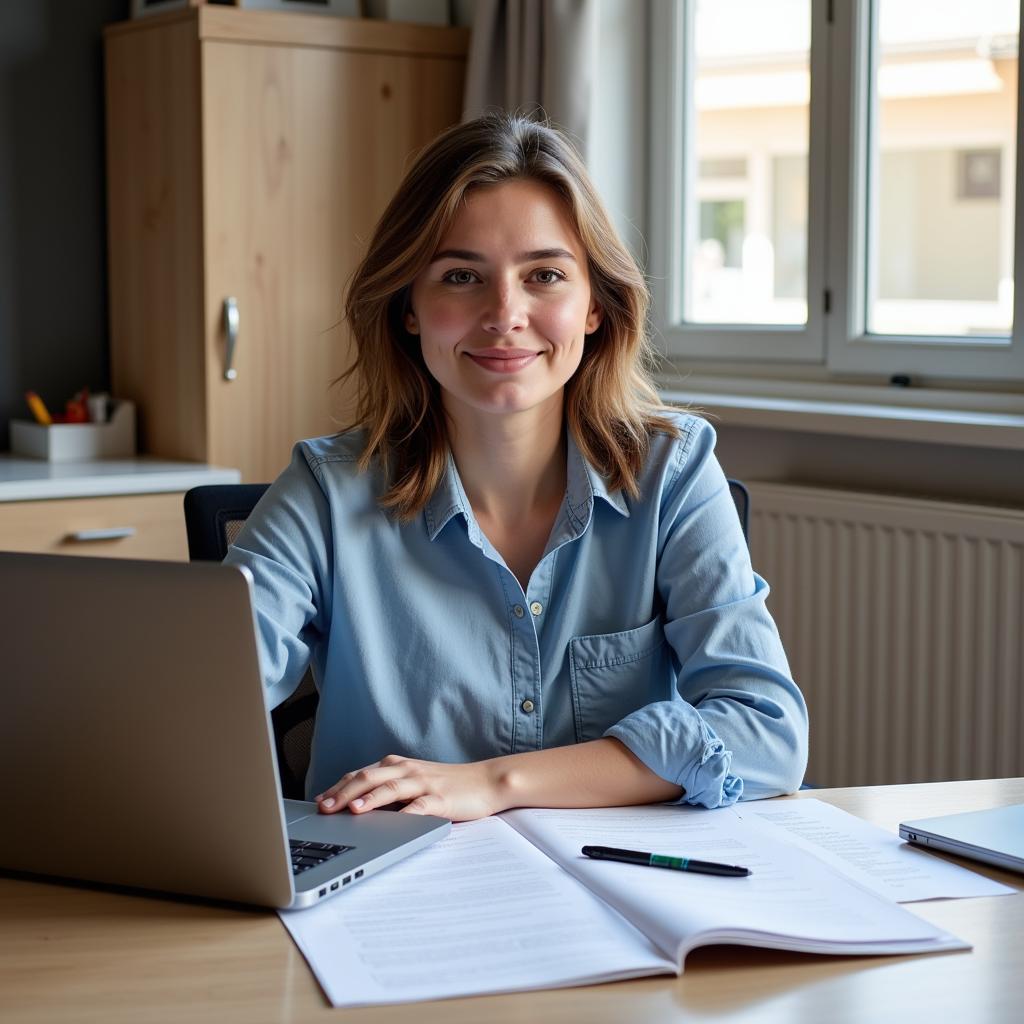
{"points": [[836, 184], [748, 255]]}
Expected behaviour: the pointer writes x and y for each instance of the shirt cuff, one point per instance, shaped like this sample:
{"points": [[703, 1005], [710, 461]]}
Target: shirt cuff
{"points": [[705, 777]]}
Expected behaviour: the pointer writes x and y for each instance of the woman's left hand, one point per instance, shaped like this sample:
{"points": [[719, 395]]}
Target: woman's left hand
{"points": [[461, 792]]}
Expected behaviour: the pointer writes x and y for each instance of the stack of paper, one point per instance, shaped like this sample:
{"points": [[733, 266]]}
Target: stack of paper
{"points": [[509, 903]]}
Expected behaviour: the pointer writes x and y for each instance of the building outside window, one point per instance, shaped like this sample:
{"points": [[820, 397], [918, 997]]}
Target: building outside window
{"points": [[842, 183]]}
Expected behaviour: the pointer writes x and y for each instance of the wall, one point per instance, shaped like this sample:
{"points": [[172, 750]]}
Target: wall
{"points": [[53, 310], [959, 473]]}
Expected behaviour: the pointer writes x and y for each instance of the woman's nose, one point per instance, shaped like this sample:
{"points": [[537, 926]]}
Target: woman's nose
{"points": [[505, 311]]}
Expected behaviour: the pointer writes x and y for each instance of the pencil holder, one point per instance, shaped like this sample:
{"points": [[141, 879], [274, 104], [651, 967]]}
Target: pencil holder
{"points": [[77, 442]]}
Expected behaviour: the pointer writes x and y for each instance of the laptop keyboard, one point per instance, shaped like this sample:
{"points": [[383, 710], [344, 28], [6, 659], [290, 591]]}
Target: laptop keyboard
{"points": [[307, 855]]}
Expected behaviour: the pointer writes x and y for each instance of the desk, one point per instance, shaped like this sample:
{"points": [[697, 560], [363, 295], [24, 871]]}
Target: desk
{"points": [[76, 954]]}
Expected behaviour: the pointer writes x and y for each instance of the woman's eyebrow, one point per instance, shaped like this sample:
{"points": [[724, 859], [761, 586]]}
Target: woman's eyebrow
{"points": [[524, 257], [545, 254]]}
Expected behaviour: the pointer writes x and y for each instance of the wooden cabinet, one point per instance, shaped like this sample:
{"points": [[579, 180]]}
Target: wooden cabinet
{"points": [[249, 155]]}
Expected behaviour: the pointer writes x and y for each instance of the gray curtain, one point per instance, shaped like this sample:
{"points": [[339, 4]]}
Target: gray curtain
{"points": [[530, 54]]}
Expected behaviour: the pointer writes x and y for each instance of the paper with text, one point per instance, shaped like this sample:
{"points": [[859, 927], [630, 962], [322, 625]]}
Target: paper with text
{"points": [[791, 900], [480, 911], [877, 859]]}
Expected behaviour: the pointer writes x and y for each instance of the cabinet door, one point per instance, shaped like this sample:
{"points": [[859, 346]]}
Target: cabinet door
{"points": [[302, 148], [155, 211]]}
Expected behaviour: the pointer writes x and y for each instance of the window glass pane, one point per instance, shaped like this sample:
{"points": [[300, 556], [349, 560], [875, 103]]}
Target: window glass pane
{"points": [[941, 180], [745, 220]]}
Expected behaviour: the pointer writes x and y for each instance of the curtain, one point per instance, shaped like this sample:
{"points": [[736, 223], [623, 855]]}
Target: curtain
{"points": [[530, 54]]}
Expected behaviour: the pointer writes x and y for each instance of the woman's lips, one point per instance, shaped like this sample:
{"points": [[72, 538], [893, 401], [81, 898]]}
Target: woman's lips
{"points": [[510, 360]]}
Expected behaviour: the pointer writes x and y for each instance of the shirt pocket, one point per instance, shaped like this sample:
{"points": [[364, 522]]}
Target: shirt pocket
{"points": [[613, 674]]}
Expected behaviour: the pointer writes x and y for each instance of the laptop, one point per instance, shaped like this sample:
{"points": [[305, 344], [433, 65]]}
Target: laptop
{"points": [[995, 836], [136, 747]]}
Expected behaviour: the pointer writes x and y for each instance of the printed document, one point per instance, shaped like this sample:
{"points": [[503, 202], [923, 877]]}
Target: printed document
{"points": [[509, 904], [878, 860]]}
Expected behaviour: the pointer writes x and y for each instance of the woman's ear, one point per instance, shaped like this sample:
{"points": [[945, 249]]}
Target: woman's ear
{"points": [[411, 324], [594, 318]]}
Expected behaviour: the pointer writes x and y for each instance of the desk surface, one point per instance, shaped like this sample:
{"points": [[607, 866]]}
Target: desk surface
{"points": [[24, 479], [70, 953]]}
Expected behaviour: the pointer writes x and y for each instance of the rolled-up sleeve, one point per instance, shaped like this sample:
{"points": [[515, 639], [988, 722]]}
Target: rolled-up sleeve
{"points": [[739, 725]]}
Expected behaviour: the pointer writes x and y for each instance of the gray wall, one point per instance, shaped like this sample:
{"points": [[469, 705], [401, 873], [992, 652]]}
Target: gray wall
{"points": [[53, 279]]}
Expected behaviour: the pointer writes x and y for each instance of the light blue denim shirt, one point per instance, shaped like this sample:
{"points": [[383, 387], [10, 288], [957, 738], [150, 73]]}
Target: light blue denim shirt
{"points": [[643, 620]]}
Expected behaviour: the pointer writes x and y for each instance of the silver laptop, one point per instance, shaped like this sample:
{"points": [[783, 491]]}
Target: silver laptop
{"points": [[995, 836], [136, 748]]}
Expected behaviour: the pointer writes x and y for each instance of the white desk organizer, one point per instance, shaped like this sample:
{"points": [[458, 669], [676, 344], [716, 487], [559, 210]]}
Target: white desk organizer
{"points": [[75, 442]]}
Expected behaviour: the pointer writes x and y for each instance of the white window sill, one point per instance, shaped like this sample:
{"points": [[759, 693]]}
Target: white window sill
{"points": [[976, 419]]}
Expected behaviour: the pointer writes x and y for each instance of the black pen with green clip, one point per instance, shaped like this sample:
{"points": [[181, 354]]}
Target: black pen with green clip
{"points": [[654, 860]]}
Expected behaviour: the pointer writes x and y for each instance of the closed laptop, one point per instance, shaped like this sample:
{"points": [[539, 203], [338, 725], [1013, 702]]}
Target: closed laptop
{"points": [[995, 836]]}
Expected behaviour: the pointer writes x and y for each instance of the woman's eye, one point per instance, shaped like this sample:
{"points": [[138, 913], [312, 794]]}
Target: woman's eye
{"points": [[548, 276], [460, 277]]}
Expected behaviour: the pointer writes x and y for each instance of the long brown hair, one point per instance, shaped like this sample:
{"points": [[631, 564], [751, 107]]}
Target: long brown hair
{"points": [[611, 405]]}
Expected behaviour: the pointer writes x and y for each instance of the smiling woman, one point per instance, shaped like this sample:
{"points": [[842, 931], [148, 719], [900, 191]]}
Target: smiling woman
{"points": [[518, 579]]}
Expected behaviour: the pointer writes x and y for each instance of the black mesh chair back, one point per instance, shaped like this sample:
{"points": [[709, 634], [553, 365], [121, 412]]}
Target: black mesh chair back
{"points": [[214, 516], [741, 498]]}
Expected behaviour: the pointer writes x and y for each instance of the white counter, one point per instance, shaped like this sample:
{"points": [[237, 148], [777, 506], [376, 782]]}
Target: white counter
{"points": [[24, 479]]}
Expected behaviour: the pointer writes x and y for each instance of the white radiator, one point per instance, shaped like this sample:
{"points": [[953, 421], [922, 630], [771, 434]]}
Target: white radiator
{"points": [[902, 619]]}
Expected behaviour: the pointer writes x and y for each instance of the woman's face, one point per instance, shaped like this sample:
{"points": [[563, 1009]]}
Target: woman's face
{"points": [[504, 305]]}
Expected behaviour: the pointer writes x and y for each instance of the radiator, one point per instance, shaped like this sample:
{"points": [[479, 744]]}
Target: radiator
{"points": [[902, 619]]}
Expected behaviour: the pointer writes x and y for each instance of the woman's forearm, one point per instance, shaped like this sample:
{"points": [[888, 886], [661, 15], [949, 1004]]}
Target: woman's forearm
{"points": [[600, 773]]}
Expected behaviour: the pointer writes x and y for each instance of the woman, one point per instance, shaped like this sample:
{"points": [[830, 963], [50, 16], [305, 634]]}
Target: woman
{"points": [[520, 581]]}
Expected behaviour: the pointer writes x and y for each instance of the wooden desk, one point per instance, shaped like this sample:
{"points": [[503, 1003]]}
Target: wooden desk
{"points": [[77, 954]]}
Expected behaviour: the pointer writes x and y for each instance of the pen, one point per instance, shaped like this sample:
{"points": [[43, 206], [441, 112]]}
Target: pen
{"points": [[654, 860], [39, 410]]}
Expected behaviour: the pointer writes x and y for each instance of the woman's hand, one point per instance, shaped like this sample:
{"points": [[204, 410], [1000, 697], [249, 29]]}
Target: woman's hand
{"points": [[461, 792]]}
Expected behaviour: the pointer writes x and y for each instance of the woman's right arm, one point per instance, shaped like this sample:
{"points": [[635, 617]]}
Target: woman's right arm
{"points": [[286, 544]]}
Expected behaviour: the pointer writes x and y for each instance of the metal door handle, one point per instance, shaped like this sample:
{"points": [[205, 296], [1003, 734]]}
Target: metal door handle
{"points": [[231, 334]]}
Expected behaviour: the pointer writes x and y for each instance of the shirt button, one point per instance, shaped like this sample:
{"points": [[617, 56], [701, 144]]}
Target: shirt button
{"points": [[518, 611], [527, 705], [536, 607]]}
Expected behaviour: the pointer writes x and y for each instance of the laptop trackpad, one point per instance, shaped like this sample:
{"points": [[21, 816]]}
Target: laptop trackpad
{"points": [[296, 810]]}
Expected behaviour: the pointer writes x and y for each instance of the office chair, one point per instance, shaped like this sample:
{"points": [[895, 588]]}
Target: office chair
{"points": [[741, 499], [214, 516]]}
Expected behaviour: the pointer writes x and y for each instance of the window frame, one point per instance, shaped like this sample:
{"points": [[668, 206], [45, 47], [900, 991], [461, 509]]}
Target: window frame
{"points": [[835, 336]]}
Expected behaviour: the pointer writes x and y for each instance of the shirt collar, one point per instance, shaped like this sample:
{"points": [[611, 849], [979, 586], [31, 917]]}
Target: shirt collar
{"points": [[583, 484], [449, 499]]}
